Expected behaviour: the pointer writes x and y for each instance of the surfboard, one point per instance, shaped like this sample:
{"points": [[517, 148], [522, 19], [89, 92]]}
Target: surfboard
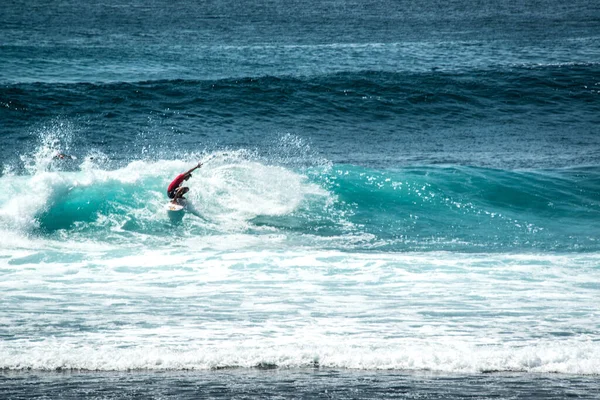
{"points": [[174, 207], [175, 211]]}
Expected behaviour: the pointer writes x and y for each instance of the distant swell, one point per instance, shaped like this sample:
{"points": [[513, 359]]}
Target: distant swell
{"points": [[377, 93], [507, 117]]}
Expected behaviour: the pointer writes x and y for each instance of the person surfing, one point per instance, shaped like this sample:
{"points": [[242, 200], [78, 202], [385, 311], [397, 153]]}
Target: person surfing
{"points": [[175, 191]]}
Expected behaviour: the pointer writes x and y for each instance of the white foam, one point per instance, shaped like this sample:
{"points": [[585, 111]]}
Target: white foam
{"points": [[22, 198], [182, 307], [294, 352], [235, 193]]}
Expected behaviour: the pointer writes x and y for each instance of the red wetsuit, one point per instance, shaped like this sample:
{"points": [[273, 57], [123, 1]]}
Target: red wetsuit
{"points": [[175, 184]]}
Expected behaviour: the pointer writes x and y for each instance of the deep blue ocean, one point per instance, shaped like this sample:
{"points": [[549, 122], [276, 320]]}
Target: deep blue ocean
{"points": [[399, 199]]}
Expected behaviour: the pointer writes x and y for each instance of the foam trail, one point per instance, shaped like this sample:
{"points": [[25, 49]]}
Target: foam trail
{"points": [[191, 306]]}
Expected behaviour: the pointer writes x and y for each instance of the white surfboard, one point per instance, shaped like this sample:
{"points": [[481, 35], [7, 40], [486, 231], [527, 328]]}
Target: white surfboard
{"points": [[174, 207], [175, 211]]}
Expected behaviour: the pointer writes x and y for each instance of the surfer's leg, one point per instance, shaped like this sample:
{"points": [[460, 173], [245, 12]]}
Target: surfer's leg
{"points": [[176, 194], [179, 193], [183, 191]]}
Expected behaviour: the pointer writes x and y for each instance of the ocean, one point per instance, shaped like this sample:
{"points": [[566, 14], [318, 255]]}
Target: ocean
{"points": [[398, 199]]}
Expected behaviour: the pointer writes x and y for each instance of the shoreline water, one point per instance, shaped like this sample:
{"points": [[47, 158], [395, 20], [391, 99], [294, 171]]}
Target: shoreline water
{"points": [[294, 383]]}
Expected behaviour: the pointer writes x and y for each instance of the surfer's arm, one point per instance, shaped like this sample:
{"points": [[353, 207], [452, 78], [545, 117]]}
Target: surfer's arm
{"points": [[193, 169]]}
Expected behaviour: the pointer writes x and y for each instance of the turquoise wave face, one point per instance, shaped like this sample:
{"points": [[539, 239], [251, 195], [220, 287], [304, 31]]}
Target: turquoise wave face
{"points": [[467, 208], [339, 206]]}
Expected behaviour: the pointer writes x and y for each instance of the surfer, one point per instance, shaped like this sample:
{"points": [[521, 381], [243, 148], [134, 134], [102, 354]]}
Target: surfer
{"points": [[175, 191]]}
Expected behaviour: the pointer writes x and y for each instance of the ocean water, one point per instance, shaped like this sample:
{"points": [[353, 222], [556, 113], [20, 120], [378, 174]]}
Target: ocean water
{"points": [[398, 199]]}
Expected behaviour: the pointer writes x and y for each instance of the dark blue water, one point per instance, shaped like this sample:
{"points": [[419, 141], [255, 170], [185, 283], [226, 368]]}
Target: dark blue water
{"points": [[503, 117], [388, 185], [370, 83], [294, 384]]}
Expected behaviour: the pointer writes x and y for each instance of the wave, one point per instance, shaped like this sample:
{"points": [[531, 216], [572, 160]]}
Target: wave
{"points": [[339, 206], [534, 78], [455, 357], [287, 189]]}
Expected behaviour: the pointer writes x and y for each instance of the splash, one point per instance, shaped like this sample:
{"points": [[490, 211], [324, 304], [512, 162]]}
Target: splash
{"points": [[54, 139]]}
